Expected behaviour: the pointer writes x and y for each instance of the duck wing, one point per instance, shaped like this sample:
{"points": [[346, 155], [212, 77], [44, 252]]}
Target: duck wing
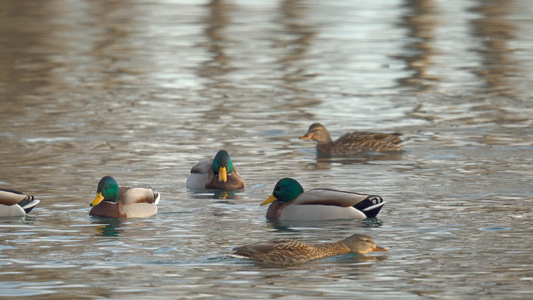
{"points": [[10, 197], [369, 205], [138, 202], [201, 174], [368, 141], [138, 195], [262, 248], [202, 167], [329, 197]]}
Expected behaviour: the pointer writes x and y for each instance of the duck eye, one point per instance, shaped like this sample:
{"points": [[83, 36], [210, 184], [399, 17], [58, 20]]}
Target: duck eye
{"points": [[279, 188], [106, 188]]}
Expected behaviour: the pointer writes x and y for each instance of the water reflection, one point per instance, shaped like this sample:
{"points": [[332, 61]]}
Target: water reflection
{"points": [[494, 30], [325, 160], [214, 194], [297, 38], [107, 226], [25, 27], [244, 74], [420, 23], [26, 219], [337, 225], [218, 64], [106, 43]]}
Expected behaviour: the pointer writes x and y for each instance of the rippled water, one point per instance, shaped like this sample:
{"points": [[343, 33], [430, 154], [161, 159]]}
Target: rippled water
{"points": [[142, 90]]}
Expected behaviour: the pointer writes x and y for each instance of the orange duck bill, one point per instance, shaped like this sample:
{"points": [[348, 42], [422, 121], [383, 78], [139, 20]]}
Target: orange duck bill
{"points": [[378, 248]]}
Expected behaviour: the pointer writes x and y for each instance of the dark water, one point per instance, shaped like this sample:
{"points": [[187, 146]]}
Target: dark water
{"points": [[142, 90]]}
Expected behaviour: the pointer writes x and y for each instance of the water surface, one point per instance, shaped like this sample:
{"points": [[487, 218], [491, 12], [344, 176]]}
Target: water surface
{"points": [[142, 90]]}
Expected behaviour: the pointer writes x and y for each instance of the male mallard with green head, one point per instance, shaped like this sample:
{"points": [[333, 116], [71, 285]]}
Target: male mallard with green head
{"points": [[15, 204], [290, 202], [218, 173], [353, 142], [124, 202], [286, 252]]}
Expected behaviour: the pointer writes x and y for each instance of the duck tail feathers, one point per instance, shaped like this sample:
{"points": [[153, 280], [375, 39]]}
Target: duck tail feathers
{"points": [[157, 197], [28, 203], [370, 206]]}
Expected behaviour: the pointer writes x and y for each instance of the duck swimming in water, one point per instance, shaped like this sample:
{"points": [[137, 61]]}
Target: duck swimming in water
{"points": [[218, 173], [287, 252], [290, 202], [124, 202], [354, 142]]}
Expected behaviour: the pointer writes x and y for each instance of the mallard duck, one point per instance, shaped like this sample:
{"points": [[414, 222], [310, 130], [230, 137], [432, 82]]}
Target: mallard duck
{"points": [[289, 202], [15, 204], [218, 173], [296, 252], [124, 202], [353, 142]]}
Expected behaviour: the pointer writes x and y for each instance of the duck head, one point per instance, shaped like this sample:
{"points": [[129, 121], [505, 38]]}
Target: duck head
{"points": [[107, 191], [222, 165], [286, 190], [361, 243], [318, 133]]}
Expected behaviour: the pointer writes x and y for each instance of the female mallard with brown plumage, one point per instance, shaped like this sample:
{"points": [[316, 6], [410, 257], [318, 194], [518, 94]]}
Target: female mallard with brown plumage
{"points": [[353, 142], [290, 202], [15, 204], [284, 252], [124, 202], [218, 173]]}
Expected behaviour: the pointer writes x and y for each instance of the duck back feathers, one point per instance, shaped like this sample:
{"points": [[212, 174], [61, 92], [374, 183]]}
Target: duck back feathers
{"points": [[353, 142]]}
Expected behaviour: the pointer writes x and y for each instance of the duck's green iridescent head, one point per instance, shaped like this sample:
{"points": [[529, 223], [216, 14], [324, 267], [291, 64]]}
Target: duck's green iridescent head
{"points": [[286, 190], [107, 191], [222, 165]]}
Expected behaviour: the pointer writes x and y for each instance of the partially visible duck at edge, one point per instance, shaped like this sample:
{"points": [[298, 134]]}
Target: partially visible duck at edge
{"points": [[289, 202], [124, 202], [354, 142], [15, 204], [287, 252], [218, 173]]}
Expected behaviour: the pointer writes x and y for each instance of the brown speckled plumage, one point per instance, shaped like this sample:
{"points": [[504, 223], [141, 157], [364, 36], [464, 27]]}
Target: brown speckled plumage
{"points": [[287, 252], [353, 142]]}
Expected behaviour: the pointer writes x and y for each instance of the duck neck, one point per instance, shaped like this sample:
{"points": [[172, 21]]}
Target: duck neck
{"points": [[330, 249], [326, 140]]}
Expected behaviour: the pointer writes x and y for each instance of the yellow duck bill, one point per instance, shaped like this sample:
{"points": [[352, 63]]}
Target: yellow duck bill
{"points": [[222, 174], [269, 200], [99, 198]]}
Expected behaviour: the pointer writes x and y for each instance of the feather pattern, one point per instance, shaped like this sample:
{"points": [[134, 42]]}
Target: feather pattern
{"points": [[329, 197], [287, 252], [289, 202], [353, 142], [15, 204]]}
